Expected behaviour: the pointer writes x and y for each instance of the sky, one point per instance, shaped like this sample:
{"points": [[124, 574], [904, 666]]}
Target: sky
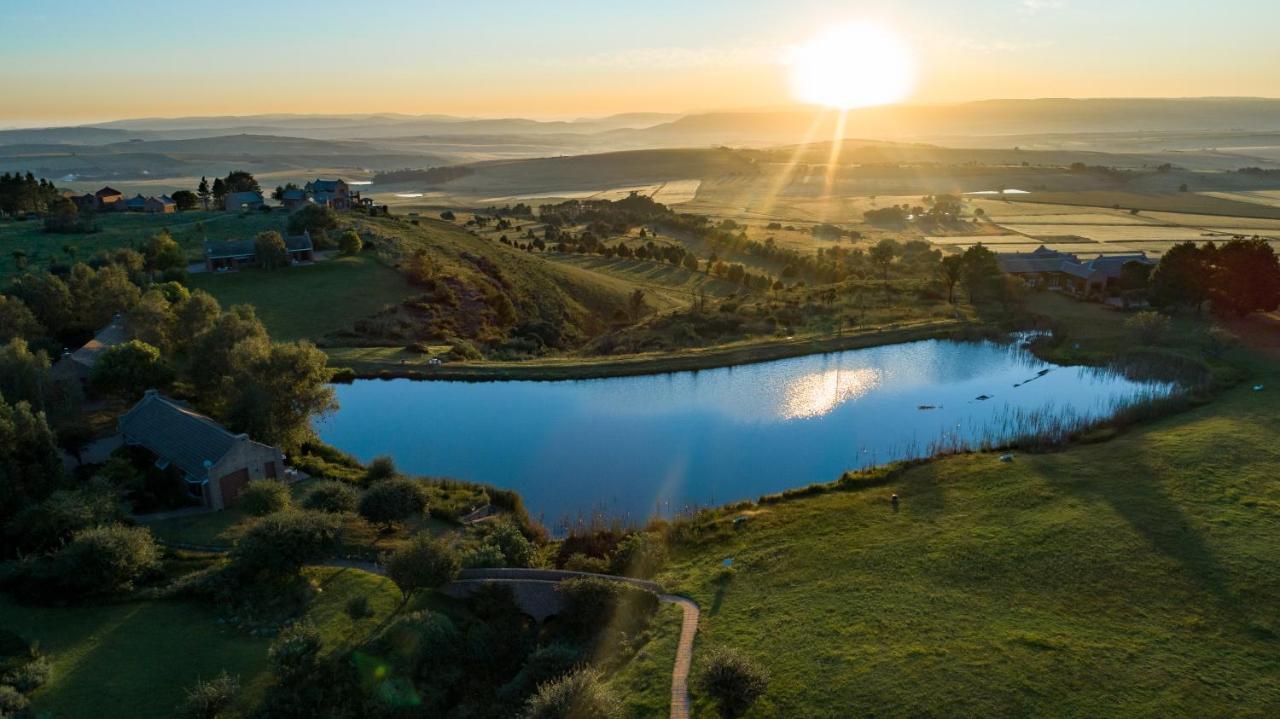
{"points": [[84, 62]]}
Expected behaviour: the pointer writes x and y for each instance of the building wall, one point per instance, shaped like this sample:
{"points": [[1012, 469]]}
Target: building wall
{"points": [[255, 461]]}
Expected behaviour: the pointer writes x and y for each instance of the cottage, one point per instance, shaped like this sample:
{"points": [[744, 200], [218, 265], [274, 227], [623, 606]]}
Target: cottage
{"points": [[331, 193], [108, 198], [243, 201], [162, 205], [233, 254], [137, 203], [85, 202], [299, 247], [213, 464], [77, 366], [1056, 270], [294, 197]]}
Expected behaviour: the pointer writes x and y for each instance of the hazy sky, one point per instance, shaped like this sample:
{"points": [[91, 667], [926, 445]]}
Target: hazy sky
{"points": [[91, 61]]}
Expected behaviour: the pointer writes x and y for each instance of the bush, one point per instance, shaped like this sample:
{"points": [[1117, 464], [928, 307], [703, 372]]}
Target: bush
{"points": [[505, 536], [207, 699], [350, 243], [545, 664], [130, 369], [592, 603], [733, 681], [294, 651], [424, 563], [331, 496], [379, 469], [579, 695], [315, 219], [393, 500], [358, 607], [105, 560], [483, 556], [264, 496], [1149, 327], [51, 522], [639, 555], [582, 563], [12, 701], [30, 676], [281, 544]]}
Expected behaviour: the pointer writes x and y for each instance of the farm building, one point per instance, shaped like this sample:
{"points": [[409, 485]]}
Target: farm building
{"points": [[108, 198], [232, 254], [161, 205], [243, 201], [331, 193], [1056, 270], [137, 203], [76, 366], [213, 464], [294, 197]]}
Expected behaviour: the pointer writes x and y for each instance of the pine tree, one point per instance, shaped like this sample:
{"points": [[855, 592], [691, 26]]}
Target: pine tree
{"points": [[203, 192]]}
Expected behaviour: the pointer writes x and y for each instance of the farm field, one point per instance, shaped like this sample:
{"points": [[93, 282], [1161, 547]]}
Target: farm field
{"points": [[309, 302], [1188, 202], [1053, 585], [1270, 198], [672, 287]]}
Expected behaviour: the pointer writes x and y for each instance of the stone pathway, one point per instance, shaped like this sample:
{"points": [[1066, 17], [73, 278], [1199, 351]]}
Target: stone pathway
{"points": [[684, 655]]}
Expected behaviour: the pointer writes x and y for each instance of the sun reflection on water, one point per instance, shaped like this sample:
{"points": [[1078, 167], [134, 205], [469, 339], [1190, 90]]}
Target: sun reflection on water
{"points": [[816, 394]]}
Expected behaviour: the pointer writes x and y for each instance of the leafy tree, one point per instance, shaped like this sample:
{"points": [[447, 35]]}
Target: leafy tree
{"points": [[24, 375], [51, 522], [1148, 327], [423, 563], [1183, 276], [640, 554], [295, 651], [331, 496], [130, 369], [511, 546], [382, 467], [194, 316], [313, 219], [240, 181], [281, 544], [393, 500], [105, 561], [47, 297], [264, 496], [979, 268], [99, 295], [204, 193], [951, 271], [211, 361], [277, 389], [30, 468], [580, 695], [882, 254], [733, 681], [153, 320], [163, 253], [184, 200], [16, 321], [270, 251], [636, 304], [1246, 278], [350, 243]]}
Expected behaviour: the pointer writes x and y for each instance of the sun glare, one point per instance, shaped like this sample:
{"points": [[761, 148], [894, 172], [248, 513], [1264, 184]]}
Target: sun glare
{"points": [[854, 65]]}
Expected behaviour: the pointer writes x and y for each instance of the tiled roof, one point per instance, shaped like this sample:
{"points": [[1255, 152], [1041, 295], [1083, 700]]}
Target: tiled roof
{"points": [[324, 185], [107, 191], [108, 337], [228, 248], [298, 243], [242, 198], [177, 433]]}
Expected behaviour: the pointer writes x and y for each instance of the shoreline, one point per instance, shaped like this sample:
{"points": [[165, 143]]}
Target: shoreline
{"points": [[634, 365]]}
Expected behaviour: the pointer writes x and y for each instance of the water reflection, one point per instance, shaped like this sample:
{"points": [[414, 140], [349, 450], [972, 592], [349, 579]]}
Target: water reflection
{"points": [[635, 445]]}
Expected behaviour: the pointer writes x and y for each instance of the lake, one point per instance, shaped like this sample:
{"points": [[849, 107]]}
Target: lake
{"points": [[636, 446]]}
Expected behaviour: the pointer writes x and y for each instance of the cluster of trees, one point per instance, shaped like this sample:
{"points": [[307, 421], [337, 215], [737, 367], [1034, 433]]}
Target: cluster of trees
{"points": [[235, 181], [20, 194], [1237, 277], [430, 176]]}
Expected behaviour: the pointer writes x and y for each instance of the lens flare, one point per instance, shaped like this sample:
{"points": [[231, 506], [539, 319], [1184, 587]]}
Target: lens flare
{"points": [[854, 65]]}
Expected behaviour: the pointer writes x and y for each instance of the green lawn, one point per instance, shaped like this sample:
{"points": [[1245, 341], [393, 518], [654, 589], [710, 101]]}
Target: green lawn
{"points": [[134, 660], [128, 230], [1132, 578], [311, 301]]}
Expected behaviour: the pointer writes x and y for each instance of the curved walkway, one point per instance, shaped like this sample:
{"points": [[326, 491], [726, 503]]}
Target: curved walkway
{"points": [[684, 655]]}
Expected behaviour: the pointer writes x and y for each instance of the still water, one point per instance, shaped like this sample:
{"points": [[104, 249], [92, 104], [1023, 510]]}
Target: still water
{"points": [[636, 446]]}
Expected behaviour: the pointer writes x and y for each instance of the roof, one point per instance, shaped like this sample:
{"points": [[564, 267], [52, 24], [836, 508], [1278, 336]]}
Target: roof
{"points": [[107, 191], [294, 193], [298, 243], [222, 249], [164, 200], [319, 185], [1113, 265], [107, 337], [241, 198], [136, 200], [174, 431]]}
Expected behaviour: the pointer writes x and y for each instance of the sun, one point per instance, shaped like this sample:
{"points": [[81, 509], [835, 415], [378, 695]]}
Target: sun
{"points": [[853, 65]]}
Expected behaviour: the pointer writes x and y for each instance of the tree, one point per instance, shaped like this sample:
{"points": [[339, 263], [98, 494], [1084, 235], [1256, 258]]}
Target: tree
{"points": [[281, 544], [448, 216], [203, 192], [636, 304], [350, 243], [51, 522], [17, 321], [979, 267], [882, 253], [24, 375], [240, 181], [210, 362], [261, 497], [208, 699], [640, 554], [1183, 276], [184, 200], [105, 561], [294, 652], [269, 249], [276, 390], [1246, 278], [152, 320], [163, 253], [733, 681], [100, 295], [580, 695], [423, 563], [1148, 327], [313, 219], [47, 297], [194, 316], [382, 467], [130, 369], [30, 468], [950, 271], [331, 496], [393, 500], [219, 191]]}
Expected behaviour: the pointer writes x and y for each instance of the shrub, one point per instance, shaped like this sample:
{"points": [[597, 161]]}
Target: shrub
{"points": [[639, 555], [592, 603], [393, 500], [545, 664], [12, 701], [350, 243], [582, 563], [483, 556], [379, 469], [264, 496], [358, 607], [733, 681], [51, 522], [1218, 340], [342, 375], [207, 699], [294, 651], [315, 219], [283, 543], [505, 536], [1149, 327], [331, 496], [30, 676], [579, 695], [424, 563], [105, 560]]}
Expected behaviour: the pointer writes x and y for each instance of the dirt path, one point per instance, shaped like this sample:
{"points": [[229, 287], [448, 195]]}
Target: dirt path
{"points": [[684, 655]]}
